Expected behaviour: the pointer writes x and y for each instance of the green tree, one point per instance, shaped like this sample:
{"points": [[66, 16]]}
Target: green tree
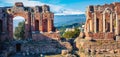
{"points": [[19, 31], [71, 34]]}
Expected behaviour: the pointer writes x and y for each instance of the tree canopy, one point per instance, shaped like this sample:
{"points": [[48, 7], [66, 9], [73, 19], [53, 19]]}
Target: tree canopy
{"points": [[71, 34], [19, 31]]}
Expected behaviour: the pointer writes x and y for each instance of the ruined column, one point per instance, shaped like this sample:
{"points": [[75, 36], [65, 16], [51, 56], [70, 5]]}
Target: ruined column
{"points": [[117, 25], [95, 28], [32, 22], [111, 23], [91, 26], [49, 28], [87, 27], [104, 22]]}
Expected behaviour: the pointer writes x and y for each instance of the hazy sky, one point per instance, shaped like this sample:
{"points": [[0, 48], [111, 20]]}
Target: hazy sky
{"points": [[61, 6]]}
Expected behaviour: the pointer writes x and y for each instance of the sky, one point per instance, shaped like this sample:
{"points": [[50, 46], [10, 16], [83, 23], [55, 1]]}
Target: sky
{"points": [[60, 7]]}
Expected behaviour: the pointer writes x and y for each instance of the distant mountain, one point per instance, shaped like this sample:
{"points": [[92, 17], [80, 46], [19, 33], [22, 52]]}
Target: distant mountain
{"points": [[70, 26], [64, 20]]}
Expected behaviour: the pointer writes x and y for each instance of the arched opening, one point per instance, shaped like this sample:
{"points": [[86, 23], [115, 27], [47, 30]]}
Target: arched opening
{"points": [[97, 25], [1, 25], [18, 47], [36, 25], [45, 25], [108, 27], [18, 27]]}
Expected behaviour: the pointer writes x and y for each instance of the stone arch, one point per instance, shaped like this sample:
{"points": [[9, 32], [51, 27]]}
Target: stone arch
{"points": [[107, 20], [16, 21], [107, 10], [26, 16]]}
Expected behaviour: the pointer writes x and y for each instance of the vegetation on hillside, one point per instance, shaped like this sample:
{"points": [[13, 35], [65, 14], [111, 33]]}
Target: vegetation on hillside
{"points": [[71, 34]]}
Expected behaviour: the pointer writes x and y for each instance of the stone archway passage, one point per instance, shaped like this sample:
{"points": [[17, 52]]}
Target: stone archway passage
{"points": [[18, 47]]}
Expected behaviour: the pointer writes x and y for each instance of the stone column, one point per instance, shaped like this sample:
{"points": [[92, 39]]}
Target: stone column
{"points": [[91, 26], [111, 23], [49, 28], [32, 22], [104, 22], [88, 27], [95, 28], [117, 25]]}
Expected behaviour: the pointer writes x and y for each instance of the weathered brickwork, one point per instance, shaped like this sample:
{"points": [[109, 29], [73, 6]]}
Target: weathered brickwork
{"points": [[102, 21], [37, 19]]}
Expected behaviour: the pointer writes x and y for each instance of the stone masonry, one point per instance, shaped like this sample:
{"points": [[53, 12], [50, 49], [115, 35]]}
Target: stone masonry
{"points": [[102, 22], [38, 19]]}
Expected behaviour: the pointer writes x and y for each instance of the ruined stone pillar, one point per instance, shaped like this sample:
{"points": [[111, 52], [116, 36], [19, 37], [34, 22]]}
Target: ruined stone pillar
{"points": [[95, 28], [49, 25], [33, 23], [117, 25], [91, 26], [104, 22], [88, 27], [111, 23]]}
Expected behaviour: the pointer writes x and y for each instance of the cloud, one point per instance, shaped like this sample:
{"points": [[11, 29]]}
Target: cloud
{"points": [[69, 12], [57, 9], [18, 18], [62, 10], [25, 2]]}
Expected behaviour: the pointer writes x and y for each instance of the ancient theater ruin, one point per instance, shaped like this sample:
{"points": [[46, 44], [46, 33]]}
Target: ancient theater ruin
{"points": [[38, 21], [101, 34], [102, 22]]}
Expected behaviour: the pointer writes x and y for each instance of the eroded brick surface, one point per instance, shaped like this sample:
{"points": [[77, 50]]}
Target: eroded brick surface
{"points": [[37, 19]]}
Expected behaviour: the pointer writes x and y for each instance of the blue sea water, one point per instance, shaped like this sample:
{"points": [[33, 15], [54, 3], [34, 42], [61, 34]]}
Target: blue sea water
{"points": [[62, 20]]}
